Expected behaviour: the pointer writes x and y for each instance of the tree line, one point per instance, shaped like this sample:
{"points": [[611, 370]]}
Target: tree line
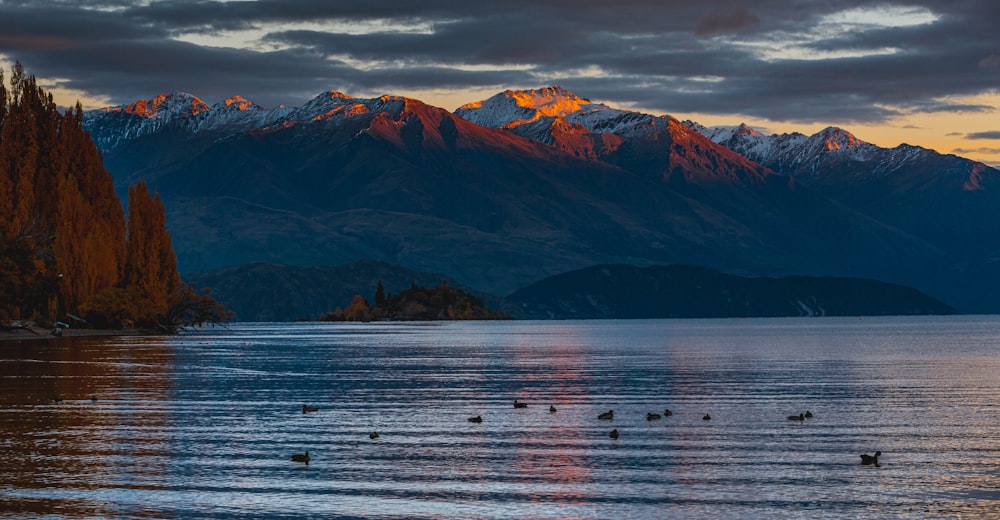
{"points": [[66, 246]]}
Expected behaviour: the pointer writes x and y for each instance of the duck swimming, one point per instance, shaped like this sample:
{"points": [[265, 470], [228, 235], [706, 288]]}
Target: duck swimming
{"points": [[607, 416], [652, 416], [667, 412], [808, 414], [870, 460], [306, 408], [373, 435], [301, 457], [707, 417], [520, 404], [613, 434], [799, 417], [552, 409], [477, 419]]}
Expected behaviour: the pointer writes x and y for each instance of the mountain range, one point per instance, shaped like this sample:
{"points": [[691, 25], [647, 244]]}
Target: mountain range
{"points": [[529, 184]]}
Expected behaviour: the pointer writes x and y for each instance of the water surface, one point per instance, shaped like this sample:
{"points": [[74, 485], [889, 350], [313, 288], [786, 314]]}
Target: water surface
{"points": [[203, 425]]}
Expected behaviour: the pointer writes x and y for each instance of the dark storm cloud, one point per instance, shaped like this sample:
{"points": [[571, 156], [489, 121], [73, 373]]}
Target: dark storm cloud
{"points": [[711, 56], [733, 21]]}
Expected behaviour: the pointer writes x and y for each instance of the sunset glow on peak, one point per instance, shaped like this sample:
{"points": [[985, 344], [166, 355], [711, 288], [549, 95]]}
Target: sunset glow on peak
{"points": [[838, 139], [239, 103], [549, 101], [177, 101]]}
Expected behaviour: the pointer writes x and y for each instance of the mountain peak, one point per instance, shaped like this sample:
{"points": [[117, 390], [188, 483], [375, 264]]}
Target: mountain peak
{"points": [[164, 106], [515, 107], [745, 129], [834, 138], [548, 101], [523, 110], [239, 104]]}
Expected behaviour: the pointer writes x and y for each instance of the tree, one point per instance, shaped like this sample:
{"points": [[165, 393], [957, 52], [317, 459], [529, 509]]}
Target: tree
{"points": [[192, 307], [379, 293], [150, 266], [358, 310]]}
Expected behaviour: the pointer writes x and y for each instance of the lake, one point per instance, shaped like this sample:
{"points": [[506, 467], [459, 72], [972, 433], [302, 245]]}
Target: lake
{"points": [[203, 425]]}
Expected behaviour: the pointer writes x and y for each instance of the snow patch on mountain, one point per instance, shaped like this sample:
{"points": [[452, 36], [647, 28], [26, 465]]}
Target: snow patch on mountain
{"points": [[513, 108], [113, 126], [791, 150]]}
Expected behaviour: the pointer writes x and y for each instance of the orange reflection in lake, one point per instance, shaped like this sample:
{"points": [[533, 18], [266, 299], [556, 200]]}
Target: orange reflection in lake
{"points": [[555, 443], [73, 412]]}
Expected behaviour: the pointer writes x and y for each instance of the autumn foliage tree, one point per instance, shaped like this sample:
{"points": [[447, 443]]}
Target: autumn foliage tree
{"points": [[65, 247], [150, 266]]}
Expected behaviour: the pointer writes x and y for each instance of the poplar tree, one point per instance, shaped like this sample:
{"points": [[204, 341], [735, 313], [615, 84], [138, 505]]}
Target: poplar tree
{"points": [[151, 266]]}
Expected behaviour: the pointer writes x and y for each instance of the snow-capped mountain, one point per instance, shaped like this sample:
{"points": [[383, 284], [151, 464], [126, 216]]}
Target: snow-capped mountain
{"points": [[513, 109], [834, 159], [112, 126], [657, 146]]}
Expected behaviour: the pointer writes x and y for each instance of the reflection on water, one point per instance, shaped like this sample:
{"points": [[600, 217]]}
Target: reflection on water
{"points": [[203, 425]]}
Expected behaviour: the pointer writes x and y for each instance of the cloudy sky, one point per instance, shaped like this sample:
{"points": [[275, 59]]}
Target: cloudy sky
{"points": [[925, 72]]}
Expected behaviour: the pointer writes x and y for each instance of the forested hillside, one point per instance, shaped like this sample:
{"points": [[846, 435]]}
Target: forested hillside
{"points": [[65, 249]]}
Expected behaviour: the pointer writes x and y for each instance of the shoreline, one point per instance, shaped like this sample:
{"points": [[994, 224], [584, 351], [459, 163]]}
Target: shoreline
{"points": [[35, 333]]}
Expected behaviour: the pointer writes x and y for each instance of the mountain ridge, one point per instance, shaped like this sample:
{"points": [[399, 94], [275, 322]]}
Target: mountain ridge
{"points": [[393, 178]]}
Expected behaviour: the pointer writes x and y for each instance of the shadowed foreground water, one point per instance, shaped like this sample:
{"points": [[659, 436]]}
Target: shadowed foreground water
{"points": [[204, 425]]}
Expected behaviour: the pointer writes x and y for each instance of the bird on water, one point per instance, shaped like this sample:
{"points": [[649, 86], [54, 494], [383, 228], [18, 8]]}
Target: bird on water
{"points": [[306, 408], [519, 404], [870, 460], [477, 419], [613, 434], [552, 408], [707, 417], [373, 435], [652, 416], [607, 416], [799, 417], [301, 457]]}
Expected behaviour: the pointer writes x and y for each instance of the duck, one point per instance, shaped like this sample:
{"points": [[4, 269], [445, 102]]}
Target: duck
{"points": [[306, 408], [476, 419], [607, 416], [552, 409], [652, 416], [808, 414], [870, 460], [301, 457], [518, 404], [707, 417], [799, 417], [373, 435], [93, 398], [614, 434], [667, 412]]}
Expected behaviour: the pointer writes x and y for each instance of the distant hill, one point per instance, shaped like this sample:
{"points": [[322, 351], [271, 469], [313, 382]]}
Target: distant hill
{"points": [[625, 291], [265, 291]]}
